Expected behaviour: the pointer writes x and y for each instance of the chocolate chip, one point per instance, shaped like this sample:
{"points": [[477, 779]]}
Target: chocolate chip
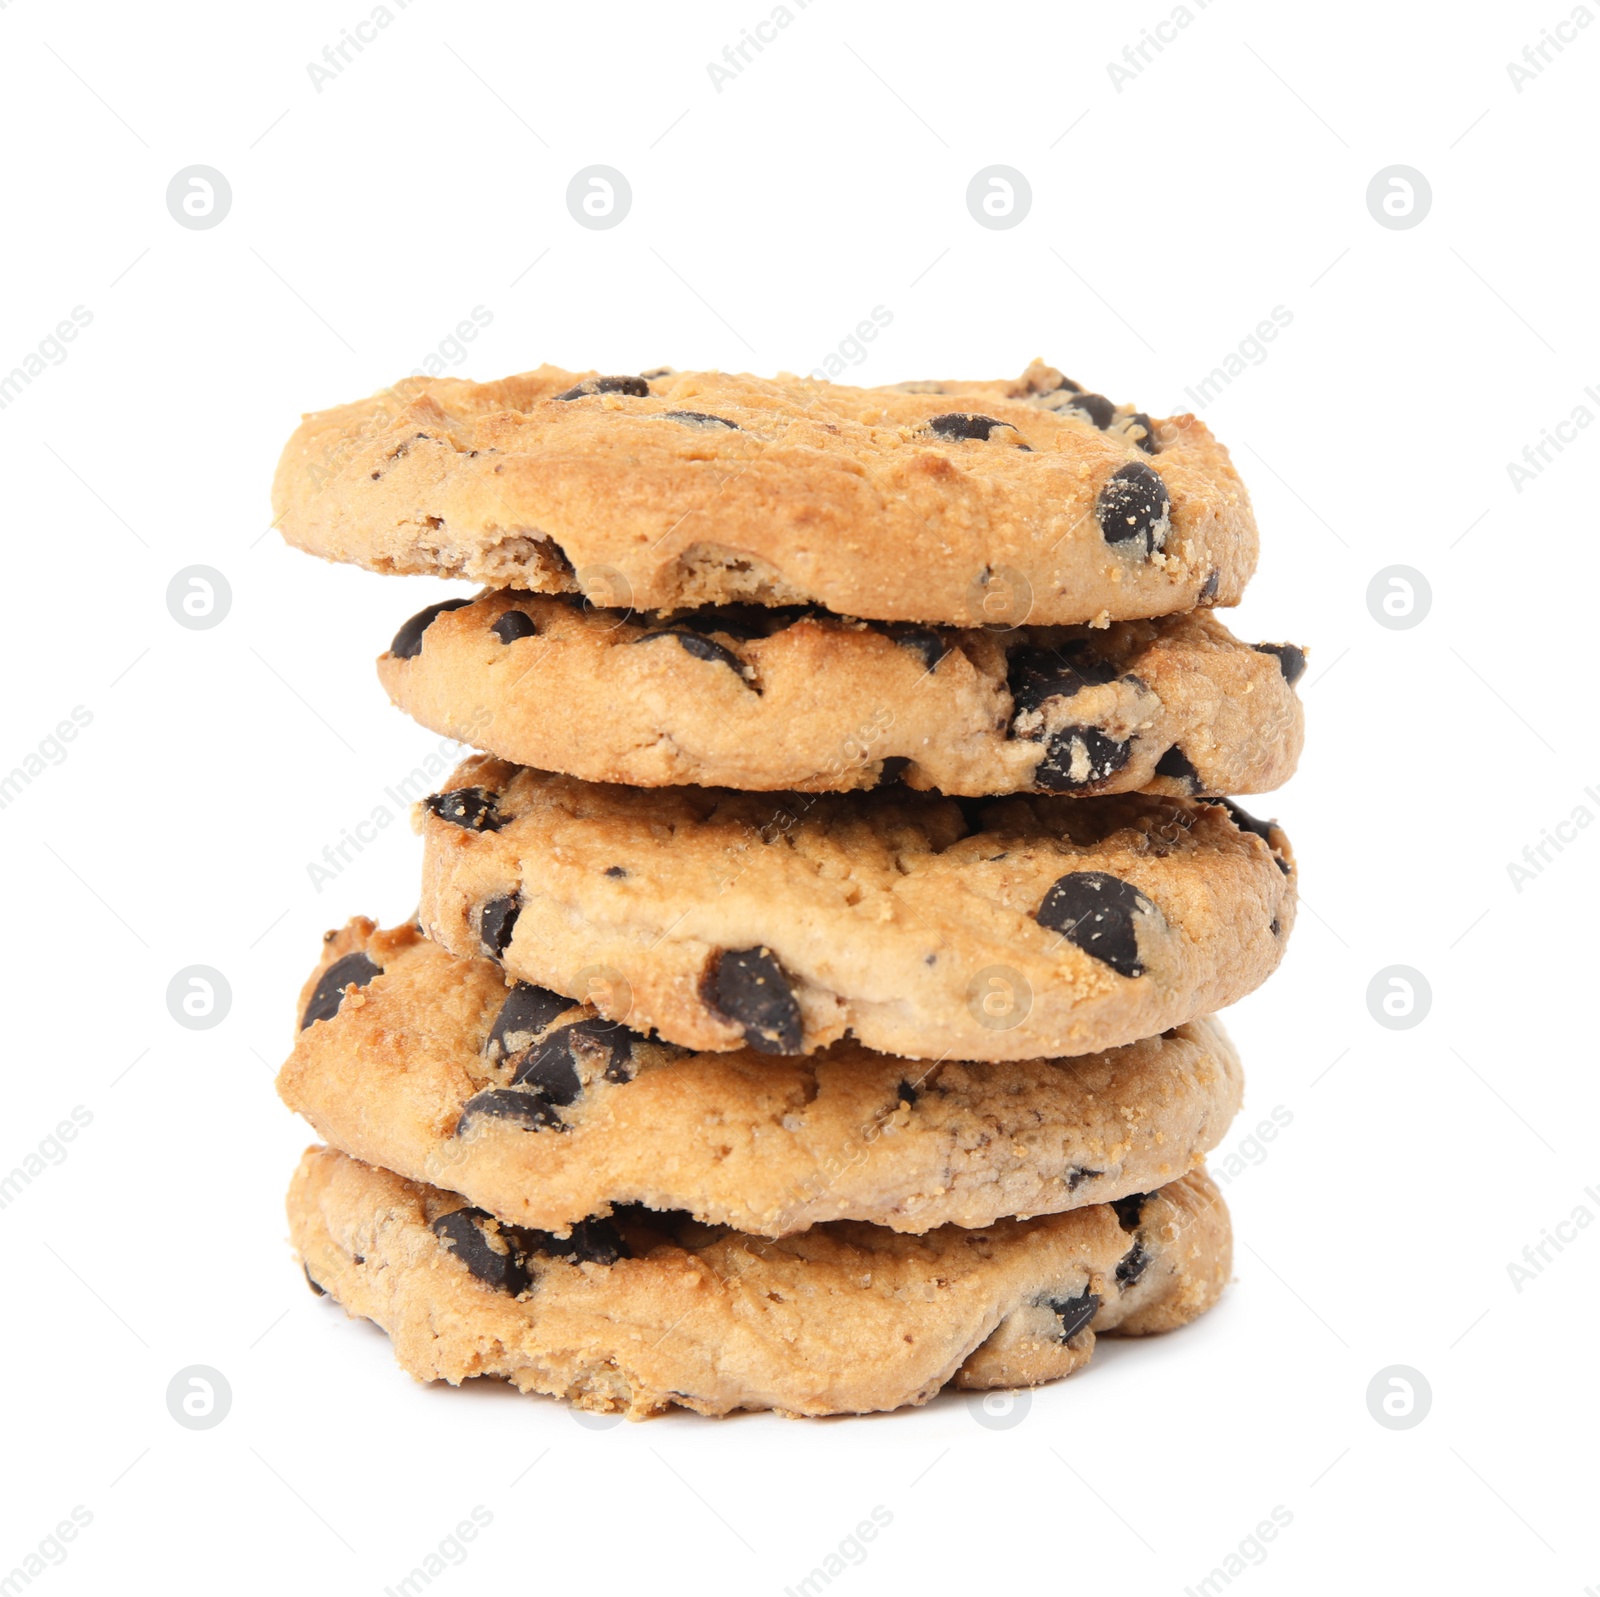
{"points": [[471, 808], [1096, 407], [1175, 763], [1150, 444], [634, 387], [1034, 675], [313, 1283], [617, 871], [734, 621], [527, 1011], [749, 986], [1209, 591], [496, 922], [892, 768], [701, 419], [1077, 1175], [503, 1103], [907, 1094], [1078, 757], [1075, 1313], [549, 1069], [1096, 912], [1245, 821], [353, 970], [514, 624], [925, 642], [1275, 928], [1134, 1263], [407, 643], [1134, 507], [486, 1248], [591, 1242], [702, 648], [965, 424], [1291, 659], [1129, 1209]]}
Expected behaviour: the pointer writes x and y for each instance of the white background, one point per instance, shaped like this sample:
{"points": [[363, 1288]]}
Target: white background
{"points": [[1169, 217]]}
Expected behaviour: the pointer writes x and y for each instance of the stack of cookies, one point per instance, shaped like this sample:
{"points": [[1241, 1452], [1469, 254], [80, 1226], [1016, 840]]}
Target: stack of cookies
{"points": [[810, 1003]]}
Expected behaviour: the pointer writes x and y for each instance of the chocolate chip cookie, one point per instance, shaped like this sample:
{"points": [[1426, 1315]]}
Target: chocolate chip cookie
{"points": [[643, 1310], [757, 698], [1012, 928], [543, 1113], [961, 503]]}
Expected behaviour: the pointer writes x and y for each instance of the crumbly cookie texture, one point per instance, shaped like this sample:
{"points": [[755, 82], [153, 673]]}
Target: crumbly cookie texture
{"points": [[542, 1113], [1013, 928], [643, 1311], [964, 503], [758, 698]]}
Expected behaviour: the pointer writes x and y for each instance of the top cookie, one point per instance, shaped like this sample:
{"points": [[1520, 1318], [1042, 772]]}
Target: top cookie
{"points": [[961, 503]]}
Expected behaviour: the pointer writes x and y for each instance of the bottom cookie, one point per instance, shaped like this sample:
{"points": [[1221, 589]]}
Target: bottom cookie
{"points": [[647, 1309]]}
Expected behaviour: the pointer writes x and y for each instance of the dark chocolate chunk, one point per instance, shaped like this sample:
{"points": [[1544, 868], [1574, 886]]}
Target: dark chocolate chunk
{"points": [[514, 624], [487, 1248], [618, 871], [1275, 928], [591, 1242], [1074, 1313], [407, 643], [1133, 1264], [1133, 507], [1129, 1209], [1078, 757], [1209, 591], [1245, 821], [496, 922], [1096, 912], [735, 621], [700, 646], [907, 1094], [965, 424], [634, 387], [748, 986], [926, 642], [527, 1011], [892, 768], [701, 419], [551, 1066], [312, 1282], [1077, 1175], [471, 808], [503, 1103], [1034, 675], [353, 970], [1149, 443], [1176, 764], [1096, 407], [549, 1069], [1291, 659]]}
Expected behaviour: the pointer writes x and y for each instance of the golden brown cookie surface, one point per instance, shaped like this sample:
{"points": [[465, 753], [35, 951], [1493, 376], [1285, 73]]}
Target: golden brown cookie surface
{"points": [[536, 1110], [1012, 928], [644, 1311], [768, 699], [963, 503]]}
